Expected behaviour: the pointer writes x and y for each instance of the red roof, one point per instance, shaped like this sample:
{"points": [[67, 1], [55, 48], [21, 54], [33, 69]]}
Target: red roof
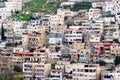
{"points": [[40, 49], [79, 31], [69, 30], [114, 44], [24, 53]]}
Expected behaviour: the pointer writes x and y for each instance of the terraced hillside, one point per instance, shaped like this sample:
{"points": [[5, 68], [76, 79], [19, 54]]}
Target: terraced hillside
{"points": [[46, 6]]}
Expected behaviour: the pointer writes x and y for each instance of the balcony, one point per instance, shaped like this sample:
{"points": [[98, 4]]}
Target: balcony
{"points": [[53, 76]]}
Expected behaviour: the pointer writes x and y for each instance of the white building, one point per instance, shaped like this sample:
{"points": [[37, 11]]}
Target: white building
{"points": [[116, 34], [94, 13], [56, 20], [115, 49], [18, 27], [111, 75], [117, 16], [55, 38], [97, 4], [36, 70], [2, 45], [9, 6], [5, 13], [109, 20], [18, 49], [73, 35], [83, 0], [97, 26], [83, 71], [116, 7], [54, 56], [108, 7], [57, 73], [67, 4], [94, 38], [41, 54], [66, 12], [14, 5]]}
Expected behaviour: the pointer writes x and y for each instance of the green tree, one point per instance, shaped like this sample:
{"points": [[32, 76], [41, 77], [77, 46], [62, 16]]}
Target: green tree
{"points": [[20, 42], [2, 33], [17, 69], [53, 66], [66, 18], [81, 5], [117, 60], [116, 40], [9, 44], [16, 44], [102, 63]]}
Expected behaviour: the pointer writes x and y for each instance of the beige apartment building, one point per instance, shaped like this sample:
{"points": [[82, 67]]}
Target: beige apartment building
{"points": [[78, 45], [82, 71], [56, 20], [19, 57], [115, 49], [34, 39], [58, 28], [14, 5], [36, 70]]}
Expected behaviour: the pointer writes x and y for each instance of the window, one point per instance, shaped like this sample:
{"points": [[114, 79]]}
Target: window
{"points": [[73, 69], [86, 70]]}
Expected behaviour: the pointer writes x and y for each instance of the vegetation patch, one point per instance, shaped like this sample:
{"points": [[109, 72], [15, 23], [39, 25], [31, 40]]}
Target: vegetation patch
{"points": [[2, 79], [45, 6], [23, 17], [81, 5], [53, 66]]}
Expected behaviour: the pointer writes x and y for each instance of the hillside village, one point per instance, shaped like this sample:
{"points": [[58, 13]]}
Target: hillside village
{"points": [[59, 40]]}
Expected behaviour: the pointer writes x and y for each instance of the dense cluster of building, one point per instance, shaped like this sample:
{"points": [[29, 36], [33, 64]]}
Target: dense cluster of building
{"points": [[62, 46]]}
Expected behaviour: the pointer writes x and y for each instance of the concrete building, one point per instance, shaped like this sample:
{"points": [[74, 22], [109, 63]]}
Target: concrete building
{"points": [[19, 58], [97, 4], [67, 4], [57, 73], [18, 49], [115, 49], [78, 45], [111, 75], [84, 55], [108, 6], [109, 20], [94, 13], [59, 28], [54, 56], [41, 54], [14, 5], [5, 13], [36, 39], [66, 12], [36, 70], [46, 21], [6, 66], [83, 71], [116, 7], [56, 20], [73, 36], [117, 17], [8, 6], [83, 0], [55, 38]]}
